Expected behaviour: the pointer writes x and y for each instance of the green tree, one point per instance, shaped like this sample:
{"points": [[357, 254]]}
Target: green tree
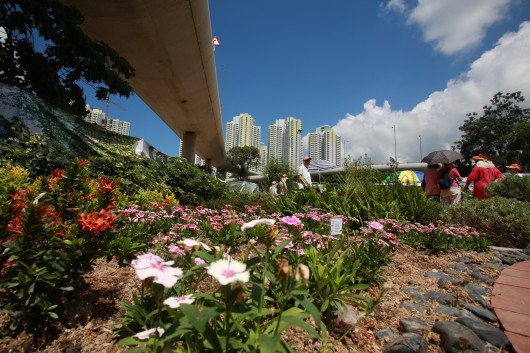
{"points": [[45, 52], [519, 145], [274, 171], [492, 133], [241, 159]]}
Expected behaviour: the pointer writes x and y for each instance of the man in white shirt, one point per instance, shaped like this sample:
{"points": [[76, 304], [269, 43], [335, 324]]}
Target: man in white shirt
{"points": [[304, 178]]}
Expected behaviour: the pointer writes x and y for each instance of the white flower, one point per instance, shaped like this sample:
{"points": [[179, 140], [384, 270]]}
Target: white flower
{"points": [[190, 243], [228, 271], [150, 265], [174, 302], [255, 222], [144, 335]]}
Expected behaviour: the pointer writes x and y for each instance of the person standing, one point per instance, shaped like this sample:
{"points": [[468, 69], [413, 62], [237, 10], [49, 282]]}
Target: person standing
{"points": [[514, 169], [282, 186], [432, 178], [273, 190], [304, 178], [482, 175], [453, 195]]}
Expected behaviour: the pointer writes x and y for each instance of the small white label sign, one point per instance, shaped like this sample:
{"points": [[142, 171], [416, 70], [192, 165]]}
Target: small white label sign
{"points": [[336, 225]]}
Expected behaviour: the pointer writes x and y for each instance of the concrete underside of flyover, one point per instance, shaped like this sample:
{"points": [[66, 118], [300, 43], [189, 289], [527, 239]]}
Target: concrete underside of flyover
{"points": [[169, 43]]}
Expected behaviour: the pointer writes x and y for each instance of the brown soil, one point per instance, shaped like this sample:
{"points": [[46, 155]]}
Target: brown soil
{"points": [[93, 316]]}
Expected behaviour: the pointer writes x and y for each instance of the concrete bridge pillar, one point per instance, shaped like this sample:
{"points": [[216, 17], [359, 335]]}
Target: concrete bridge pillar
{"points": [[208, 163], [189, 141]]}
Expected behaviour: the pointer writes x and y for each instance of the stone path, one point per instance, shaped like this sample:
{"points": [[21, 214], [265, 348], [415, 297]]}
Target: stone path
{"points": [[475, 326], [511, 302]]}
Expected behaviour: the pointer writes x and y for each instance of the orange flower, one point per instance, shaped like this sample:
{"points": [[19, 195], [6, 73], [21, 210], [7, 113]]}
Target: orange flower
{"points": [[97, 221]]}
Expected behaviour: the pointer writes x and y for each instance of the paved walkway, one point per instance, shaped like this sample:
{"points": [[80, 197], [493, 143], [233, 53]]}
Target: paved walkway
{"points": [[511, 302]]}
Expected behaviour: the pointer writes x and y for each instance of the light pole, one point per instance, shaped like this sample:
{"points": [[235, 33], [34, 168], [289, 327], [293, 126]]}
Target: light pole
{"points": [[300, 147], [421, 156], [344, 149], [395, 148]]}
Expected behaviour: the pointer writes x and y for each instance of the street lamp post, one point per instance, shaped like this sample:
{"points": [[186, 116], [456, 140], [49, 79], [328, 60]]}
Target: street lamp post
{"points": [[421, 156], [395, 145]]}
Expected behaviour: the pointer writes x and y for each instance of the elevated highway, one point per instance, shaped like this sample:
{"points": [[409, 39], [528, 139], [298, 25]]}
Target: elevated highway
{"points": [[169, 43]]}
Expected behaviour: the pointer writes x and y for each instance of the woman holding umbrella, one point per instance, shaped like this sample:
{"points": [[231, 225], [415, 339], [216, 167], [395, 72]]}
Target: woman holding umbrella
{"points": [[482, 174], [435, 160], [454, 193]]}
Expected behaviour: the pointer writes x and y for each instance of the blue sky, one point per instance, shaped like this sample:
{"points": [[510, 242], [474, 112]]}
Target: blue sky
{"points": [[360, 67]]}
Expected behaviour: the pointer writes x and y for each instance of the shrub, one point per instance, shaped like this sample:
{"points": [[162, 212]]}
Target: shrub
{"points": [[50, 234], [511, 187], [506, 222], [38, 154]]}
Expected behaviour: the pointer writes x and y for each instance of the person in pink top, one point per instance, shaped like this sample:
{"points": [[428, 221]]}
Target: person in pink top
{"points": [[482, 174], [431, 177], [453, 195]]}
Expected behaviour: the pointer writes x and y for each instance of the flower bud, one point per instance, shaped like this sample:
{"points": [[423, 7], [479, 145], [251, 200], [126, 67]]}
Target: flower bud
{"points": [[238, 291], [302, 273], [284, 270], [271, 234]]}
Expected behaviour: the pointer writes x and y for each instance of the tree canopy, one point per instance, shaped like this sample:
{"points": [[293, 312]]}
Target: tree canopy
{"points": [[274, 171], [43, 50], [499, 133], [241, 159]]}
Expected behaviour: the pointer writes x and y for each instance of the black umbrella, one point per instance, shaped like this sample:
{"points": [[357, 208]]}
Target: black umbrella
{"points": [[443, 156]]}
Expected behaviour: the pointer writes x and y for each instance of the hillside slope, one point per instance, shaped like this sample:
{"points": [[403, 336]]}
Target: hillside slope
{"points": [[22, 110]]}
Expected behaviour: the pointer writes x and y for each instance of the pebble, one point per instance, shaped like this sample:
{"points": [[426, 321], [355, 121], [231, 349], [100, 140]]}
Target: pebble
{"points": [[471, 327], [420, 307], [455, 337], [481, 312], [486, 332], [440, 297], [407, 343], [414, 325]]}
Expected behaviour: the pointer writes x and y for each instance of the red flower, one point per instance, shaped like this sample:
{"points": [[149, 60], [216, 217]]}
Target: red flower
{"points": [[58, 173], [97, 221], [82, 162], [106, 184]]}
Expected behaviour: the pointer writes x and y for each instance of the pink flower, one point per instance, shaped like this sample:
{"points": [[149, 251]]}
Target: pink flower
{"points": [[375, 225], [176, 250], [190, 243], [291, 220], [228, 271], [144, 335], [150, 265], [199, 261], [174, 302]]}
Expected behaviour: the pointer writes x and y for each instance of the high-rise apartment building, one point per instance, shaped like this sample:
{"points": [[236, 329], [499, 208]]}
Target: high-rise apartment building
{"points": [[325, 144], [97, 116], [263, 157], [285, 141], [242, 131], [118, 126]]}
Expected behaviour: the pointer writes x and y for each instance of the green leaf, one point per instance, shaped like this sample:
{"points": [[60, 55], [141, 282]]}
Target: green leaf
{"points": [[309, 307], [53, 315], [299, 322], [199, 320], [130, 341], [269, 344]]}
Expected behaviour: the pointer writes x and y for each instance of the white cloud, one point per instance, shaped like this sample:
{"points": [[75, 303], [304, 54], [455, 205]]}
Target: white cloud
{"points": [[504, 68], [397, 5], [455, 25]]}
